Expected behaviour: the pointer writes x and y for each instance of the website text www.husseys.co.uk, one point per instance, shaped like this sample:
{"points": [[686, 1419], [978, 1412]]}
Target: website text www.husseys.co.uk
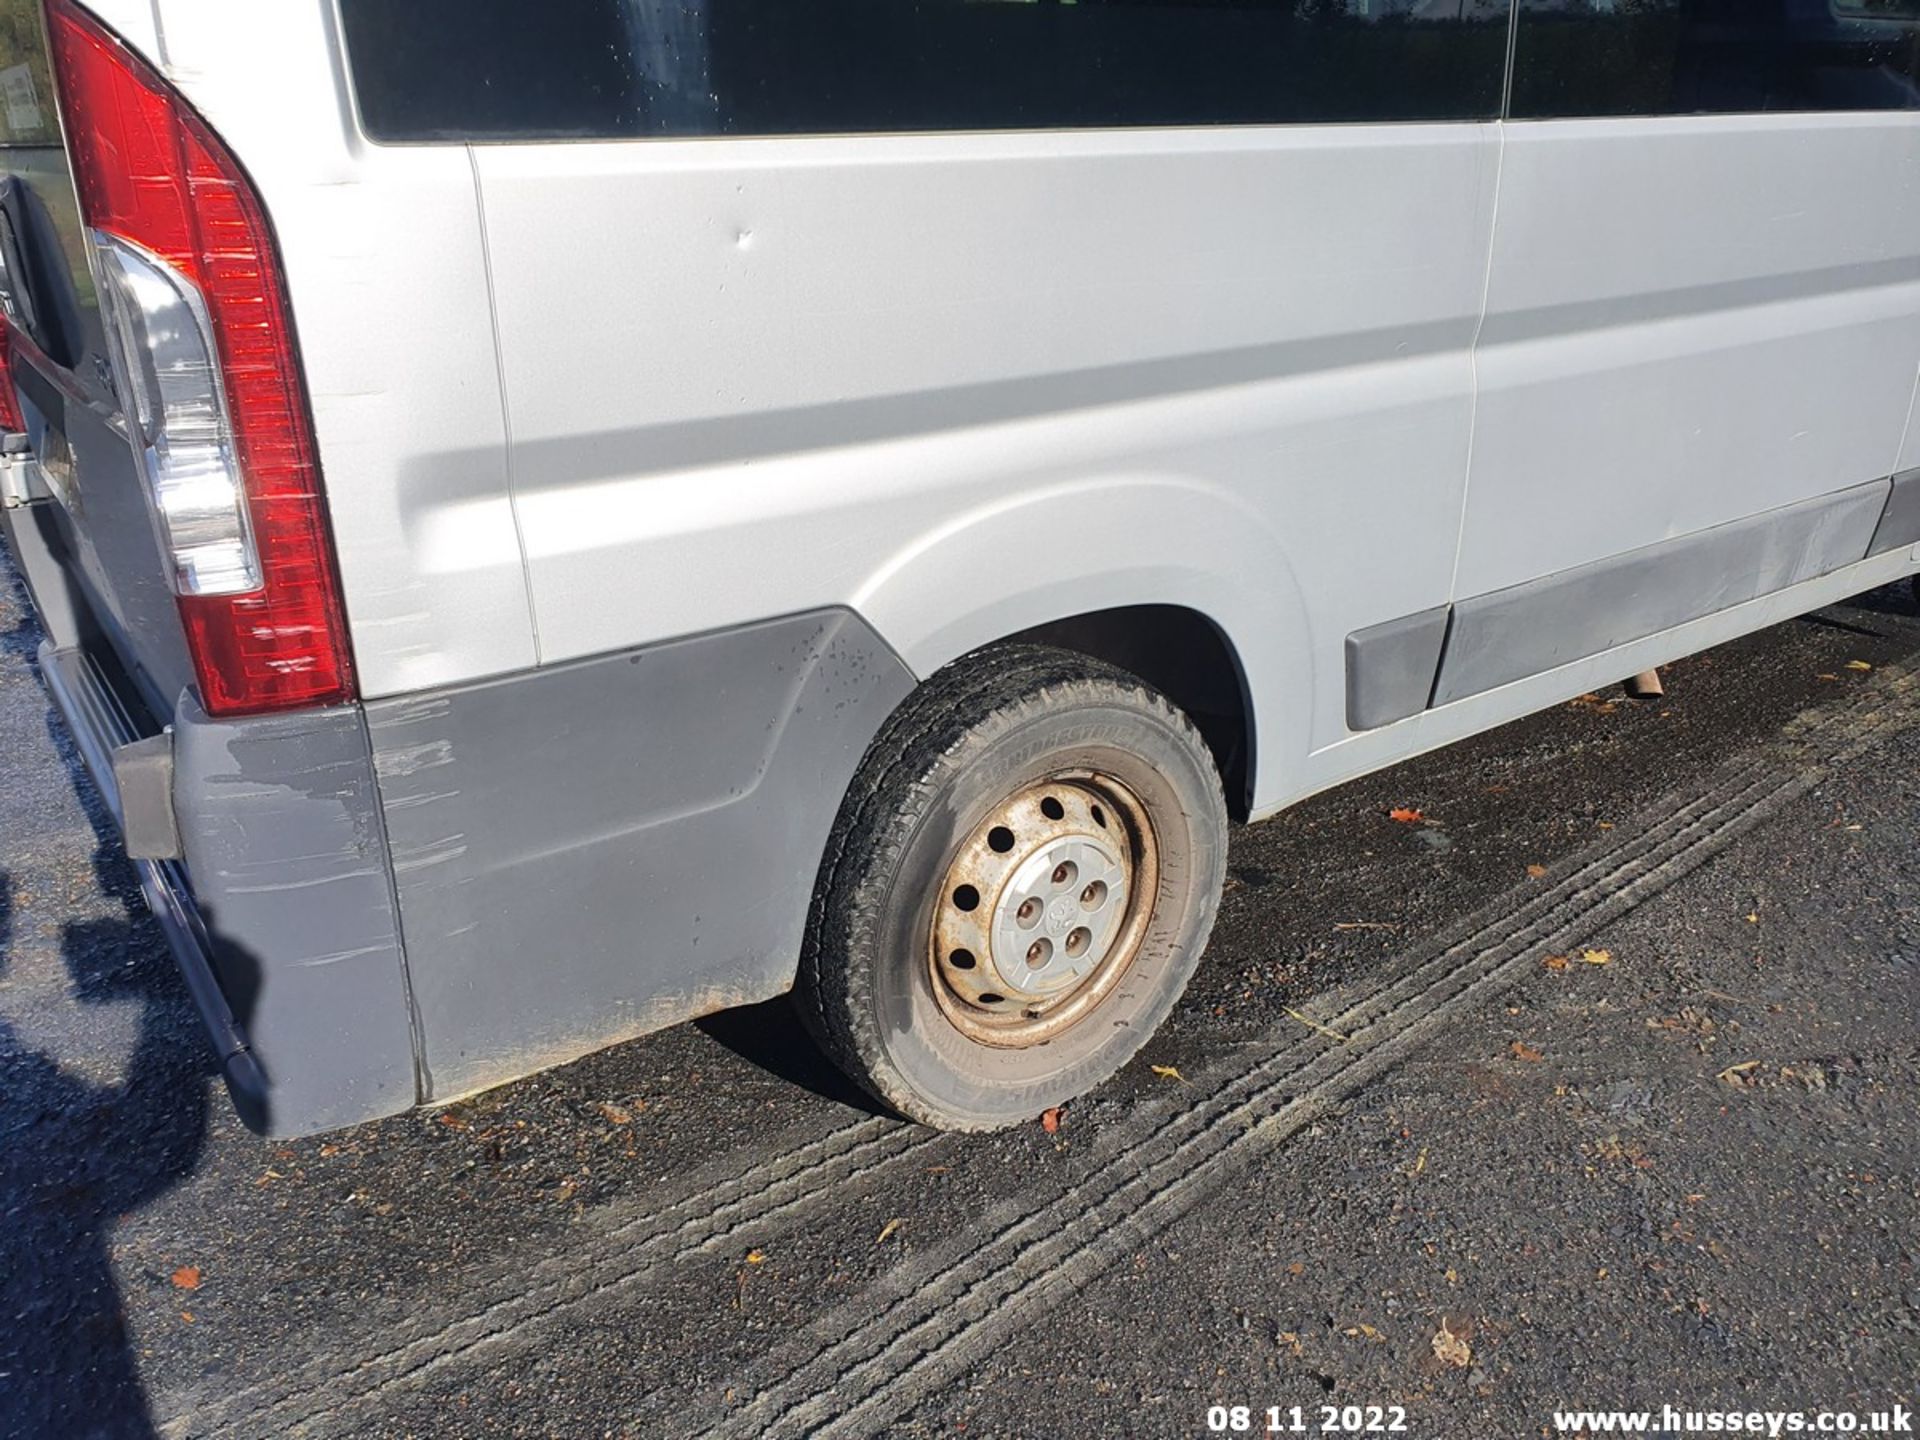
{"points": [[1670, 1420]]}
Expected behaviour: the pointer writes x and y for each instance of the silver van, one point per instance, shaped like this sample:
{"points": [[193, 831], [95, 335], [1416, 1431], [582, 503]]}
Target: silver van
{"points": [[553, 519]]}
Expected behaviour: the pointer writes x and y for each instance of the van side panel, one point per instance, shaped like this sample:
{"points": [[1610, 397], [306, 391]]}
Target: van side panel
{"points": [[1690, 320], [387, 277], [966, 384]]}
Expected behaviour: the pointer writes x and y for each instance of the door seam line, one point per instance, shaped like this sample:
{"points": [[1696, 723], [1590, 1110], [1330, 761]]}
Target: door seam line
{"points": [[506, 405], [1473, 363]]}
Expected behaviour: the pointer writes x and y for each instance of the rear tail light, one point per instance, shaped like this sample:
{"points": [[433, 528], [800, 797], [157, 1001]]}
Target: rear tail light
{"points": [[191, 297], [10, 417]]}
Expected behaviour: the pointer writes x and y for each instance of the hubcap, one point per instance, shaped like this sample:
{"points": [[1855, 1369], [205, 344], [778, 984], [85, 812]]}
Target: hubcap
{"points": [[1042, 909]]}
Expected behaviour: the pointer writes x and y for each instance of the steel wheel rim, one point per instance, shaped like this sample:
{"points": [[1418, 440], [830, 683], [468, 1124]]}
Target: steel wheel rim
{"points": [[1042, 909]]}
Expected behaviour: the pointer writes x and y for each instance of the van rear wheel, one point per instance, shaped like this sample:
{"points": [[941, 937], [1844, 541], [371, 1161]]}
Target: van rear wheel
{"points": [[1019, 886]]}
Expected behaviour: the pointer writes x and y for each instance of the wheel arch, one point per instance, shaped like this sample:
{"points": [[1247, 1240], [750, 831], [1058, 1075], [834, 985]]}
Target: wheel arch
{"points": [[1186, 657], [1176, 581]]}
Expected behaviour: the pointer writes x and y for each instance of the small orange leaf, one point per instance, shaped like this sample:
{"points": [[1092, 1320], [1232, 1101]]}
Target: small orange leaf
{"points": [[1405, 816], [1555, 962], [187, 1277], [1050, 1120], [1596, 957], [1524, 1051], [1536, 871]]}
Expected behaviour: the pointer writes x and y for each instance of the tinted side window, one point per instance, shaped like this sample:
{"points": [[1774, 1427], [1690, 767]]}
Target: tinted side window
{"points": [[1684, 57], [518, 70]]}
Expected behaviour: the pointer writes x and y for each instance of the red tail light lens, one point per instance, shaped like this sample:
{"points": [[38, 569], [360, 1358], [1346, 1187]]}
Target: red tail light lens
{"points": [[150, 172], [10, 417]]}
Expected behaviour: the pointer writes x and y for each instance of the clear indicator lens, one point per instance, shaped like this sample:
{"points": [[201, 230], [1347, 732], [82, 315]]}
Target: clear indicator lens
{"points": [[176, 416]]}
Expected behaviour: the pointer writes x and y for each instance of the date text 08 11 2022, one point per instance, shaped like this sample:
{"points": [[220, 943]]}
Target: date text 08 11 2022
{"points": [[1300, 1420]]}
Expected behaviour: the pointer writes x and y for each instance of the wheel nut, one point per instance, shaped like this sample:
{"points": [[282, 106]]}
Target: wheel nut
{"points": [[1040, 952], [1078, 941], [1065, 873], [1029, 913], [1094, 896]]}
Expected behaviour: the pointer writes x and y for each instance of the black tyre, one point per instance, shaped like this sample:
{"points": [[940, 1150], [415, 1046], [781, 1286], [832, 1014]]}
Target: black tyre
{"points": [[1019, 885]]}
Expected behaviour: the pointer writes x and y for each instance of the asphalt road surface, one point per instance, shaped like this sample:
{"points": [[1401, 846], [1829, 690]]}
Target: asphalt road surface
{"points": [[1595, 1087]]}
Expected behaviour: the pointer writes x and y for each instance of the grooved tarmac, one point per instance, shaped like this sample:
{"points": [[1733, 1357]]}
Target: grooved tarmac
{"points": [[884, 1351], [619, 1259]]}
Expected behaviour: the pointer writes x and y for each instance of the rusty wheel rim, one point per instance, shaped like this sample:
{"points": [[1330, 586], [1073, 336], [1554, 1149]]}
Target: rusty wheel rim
{"points": [[1042, 909]]}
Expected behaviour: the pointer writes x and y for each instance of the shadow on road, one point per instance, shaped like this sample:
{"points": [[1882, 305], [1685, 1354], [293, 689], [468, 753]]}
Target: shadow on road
{"points": [[770, 1037], [74, 1157]]}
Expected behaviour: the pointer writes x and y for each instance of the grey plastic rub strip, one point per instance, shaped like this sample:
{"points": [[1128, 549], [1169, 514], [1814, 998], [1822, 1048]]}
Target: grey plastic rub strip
{"points": [[1490, 640], [1900, 521], [1390, 667], [1511, 634]]}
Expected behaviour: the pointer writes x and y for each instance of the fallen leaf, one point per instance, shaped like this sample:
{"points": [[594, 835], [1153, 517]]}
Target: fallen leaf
{"points": [[1536, 871], [187, 1277], [887, 1230], [1050, 1120], [1420, 1165], [452, 1121], [1752, 918], [1733, 1073], [1451, 1349], [1858, 665], [1406, 816], [187, 1315], [327, 1152], [1354, 1332], [1169, 1072], [1596, 957], [1524, 1051], [1826, 677], [1554, 962], [1312, 1023], [756, 1257], [614, 1114]]}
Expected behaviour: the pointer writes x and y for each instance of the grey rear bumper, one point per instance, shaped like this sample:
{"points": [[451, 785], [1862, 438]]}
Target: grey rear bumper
{"points": [[276, 900], [584, 854]]}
